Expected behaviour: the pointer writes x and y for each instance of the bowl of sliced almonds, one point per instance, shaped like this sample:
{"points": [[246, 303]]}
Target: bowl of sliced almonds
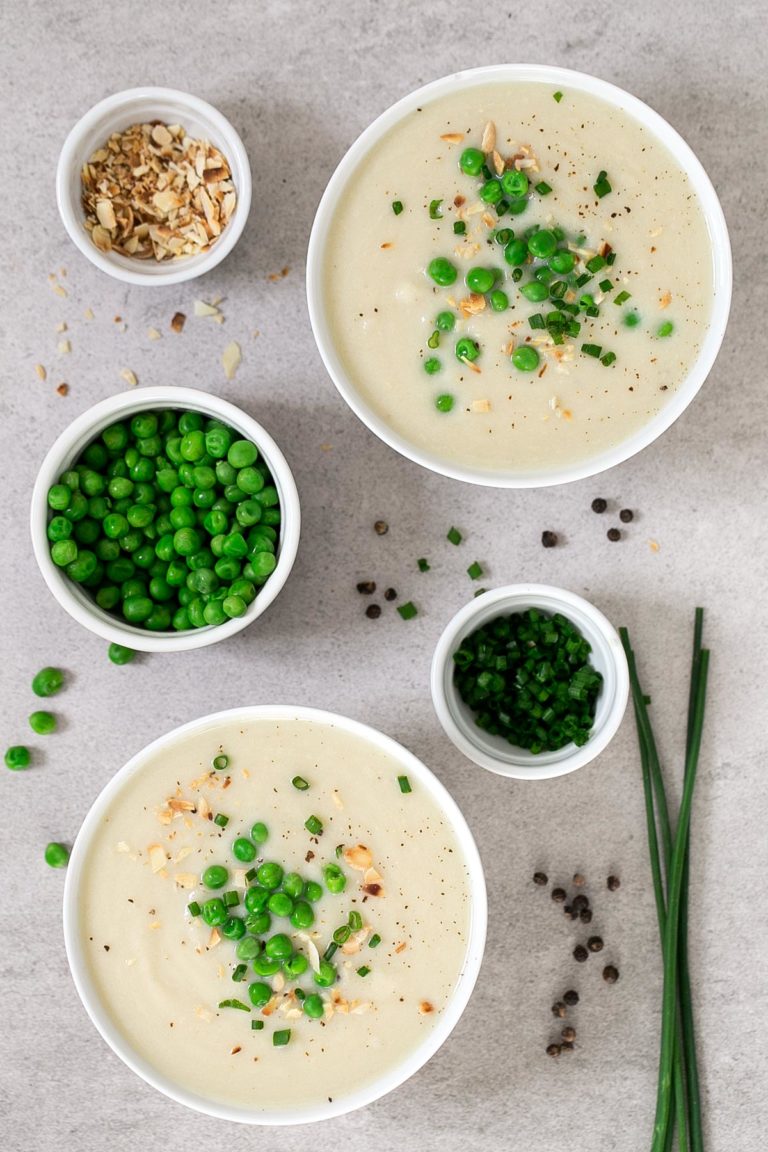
{"points": [[154, 186]]}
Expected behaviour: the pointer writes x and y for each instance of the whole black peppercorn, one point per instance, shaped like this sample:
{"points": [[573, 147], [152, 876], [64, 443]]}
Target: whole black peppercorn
{"points": [[580, 954], [578, 880], [549, 539], [580, 901], [585, 915], [381, 527], [571, 997], [558, 895], [553, 1050], [390, 594], [568, 1034], [626, 515], [569, 912], [613, 883], [540, 878], [595, 943], [366, 587], [559, 1010], [599, 505], [610, 974], [566, 1046], [613, 534], [373, 611]]}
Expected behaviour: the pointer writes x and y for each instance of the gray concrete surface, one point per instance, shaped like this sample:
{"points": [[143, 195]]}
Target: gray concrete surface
{"points": [[300, 81]]}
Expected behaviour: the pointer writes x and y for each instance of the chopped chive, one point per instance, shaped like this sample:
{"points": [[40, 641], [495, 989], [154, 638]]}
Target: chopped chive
{"points": [[374, 941], [666, 329], [606, 285], [339, 850], [397, 207], [257, 1025], [608, 359], [300, 783], [593, 310], [314, 825], [221, 820], [573, 327], [342, 934], [583, 279], [299, 993], [537, 320], [194, 908], [543, 188], [239, 973], [601, 186], [632, 319], [234, 1004], [435, 211], [355, 921], [517, 275], [475, 570], [281, 1037], [581, 240], [595, 264], [330, 951], [454, 536], [405, 785], [622, 298], [610, 259], [478, 592], [250, 875], [220, 762], [408, 610], [363, 970], [557, 97], [459, 227], [592, 350], [423, 565], [434, 339], [231, 899]]}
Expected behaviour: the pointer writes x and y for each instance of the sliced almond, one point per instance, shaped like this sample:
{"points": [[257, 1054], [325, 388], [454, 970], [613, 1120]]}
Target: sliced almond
{"points": [[498, 163], [425, 1008], [231, 359], [665, 300], [359, 857], [176, 804], [41, 372], [129, 377], [452, 137], [157, 857], [489, 137], [185, 879], [201, 308], [214, 938], [480, 405]]}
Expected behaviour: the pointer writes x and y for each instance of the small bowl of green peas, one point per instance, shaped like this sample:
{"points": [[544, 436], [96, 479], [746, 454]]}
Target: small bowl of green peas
{"points": [[165, 519], [530, 681]]}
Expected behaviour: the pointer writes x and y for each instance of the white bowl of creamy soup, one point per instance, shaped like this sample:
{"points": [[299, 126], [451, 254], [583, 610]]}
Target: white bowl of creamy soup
{"points": [[274, 914], [519, 276]]}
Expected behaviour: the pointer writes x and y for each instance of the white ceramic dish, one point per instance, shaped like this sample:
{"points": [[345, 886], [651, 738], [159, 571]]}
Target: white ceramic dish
{"points": [[140, 105], [553, 77], [75, 600], [432, 1041], [495, 753]]}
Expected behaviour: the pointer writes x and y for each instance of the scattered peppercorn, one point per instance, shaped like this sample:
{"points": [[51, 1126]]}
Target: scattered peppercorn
{"points": [[578, 880], [569, 912], [373, 611], [566, 1046], [558, 895], [553, 1050], [366, 587], [613, 534], [390, 594], [580, 954], [571, 997], [568, 1034], [549, 539], [381, 527], [585, 915], [580, 902], [626, 515], [559, 1010], [610, 974], [599, 505], [540, 878], [613, 883], [595, 943]]}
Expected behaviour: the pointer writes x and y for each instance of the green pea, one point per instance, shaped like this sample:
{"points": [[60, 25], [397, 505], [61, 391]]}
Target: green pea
{"points": [[196, 612], [190, 422], [47, 682], [326, 976], [120, 487], [248, 512], [114, 525], [175, 573], [295, 966], [248, 948], [217, 442], [445, 321], [280, 904], [499, 301], [140, 515], [442, 271], [516, 252], [258, 922], [82, 567], [144, 424], [119, 654], [467, 349], [235, 545], [293, 885], [115, 438], [92, 484], [214, 613], [491, 192], [535, 291], [256, 899], [480, 279], [187, 541], [241, 454], [182, 518], [225, 473], [234, 607], [313, 1004], [471, 161], [215, 876], [250, 480], [137, 609], [335, 880], [215, 522], [243, 849], [263, 564], [98, 507], [17, 758], [264, 965], [159, 619], [43, 723], [214, 912], [313, 891], [269, 875], [542, 244], [203, 581], [516, 207], [302, 915], [259, 832], [56, 855], [525, 358], [444, 402], [143, 470], [95, 456], [562, 262], [59, 529], [244, 589], [514, 184], [259, 994], [59, 497], [233, 928], [108, 597], [227, 568], [63, 552], [192, 446], [271, 516]]}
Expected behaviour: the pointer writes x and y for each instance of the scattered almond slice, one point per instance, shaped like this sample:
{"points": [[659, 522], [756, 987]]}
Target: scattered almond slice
{"points": [[239, 878], [354, 943], [153, 927], [178, 320], [654, 545], [41, 372], [214, 938], [312, 953], [471, 365], [452, 137], [122, 846], [185, 879], [201, 308], [203, 808], [360, 858], [129, 377], [231, 359], [203, 1014], [498, 163], [481, 405], [153, 334], [88, 314], [61, 326], [177, 805], [488, 143], [425, 1008], [157, 857], [335, 794], [64, 347], [358, 1007], [472, 305], [665, 300]]}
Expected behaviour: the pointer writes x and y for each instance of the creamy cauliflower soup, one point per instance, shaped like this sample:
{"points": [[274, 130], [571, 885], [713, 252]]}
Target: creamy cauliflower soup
{"points": [[517, 277], [274, 913]]}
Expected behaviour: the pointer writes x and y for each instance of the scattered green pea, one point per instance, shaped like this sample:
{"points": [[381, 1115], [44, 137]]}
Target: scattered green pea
{"points": [[43, 723], [119, 654], [17, 758], [48, 682], [56, 855]]}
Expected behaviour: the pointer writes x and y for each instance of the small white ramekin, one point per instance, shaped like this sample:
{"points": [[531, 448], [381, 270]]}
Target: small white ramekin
{"points": [[449, 1016], [553, 77], [495, 753], [143, 105], [65, 451]]}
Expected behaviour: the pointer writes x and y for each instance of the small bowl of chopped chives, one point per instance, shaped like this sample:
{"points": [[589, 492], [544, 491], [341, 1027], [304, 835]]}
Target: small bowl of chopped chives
{"points": [[165, 519], [154, 186], [530, 681]]}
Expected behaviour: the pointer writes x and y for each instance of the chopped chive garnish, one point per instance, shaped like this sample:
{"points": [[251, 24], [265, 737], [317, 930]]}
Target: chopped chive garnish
{"points": [[423, 565], [299, 993], [632, 319], [537, 320], [543, 188], [517, 275], [592, 350], [608, 359], [314, 825], [595, 264], [601, 186], [583, 279], [459, 227], [435, 211], [300, 783], [374, 941], [355, 921], [573, 327], [475, 570], [257, 1025], [581, 240], [234, 1004], [221, 820], [220, 762], [622, 298], [557, 97], [478, 592], [434, 340], [339, 850], [405, 785], [194, 908], [330, 951], [239, 973], [610, 259], [250, 875], [606, 285], [363, 970], [666, 329], [454, 536], [281, 1037], [593, 310], [408, 610], [342, 934], [231, 899], [397, 207]]}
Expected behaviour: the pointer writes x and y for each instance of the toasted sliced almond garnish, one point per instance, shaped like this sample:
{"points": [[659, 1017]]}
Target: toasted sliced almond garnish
{"points": [[239, 878], [489, 137], [214, 938], [64, 347], [176, 804], [203, 808], [425, 1008], [480, 405], [185, 879], [401, 947], [129, 377], [471, 365], [665, 300], [359, 857], [355, 942], [157, 857], [41, 372], [335, 794], [203, 1014], [178, 320], [278, 982], [153, 334], [153, 927], [498, 163], [122, 846], [466, 251], [231, 359], [472, 305], [201, 308], [452, 137], [654, 545], [312, 953]]}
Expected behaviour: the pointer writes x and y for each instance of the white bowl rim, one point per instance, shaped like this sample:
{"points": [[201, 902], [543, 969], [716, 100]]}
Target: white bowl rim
{"points": [[383, 1084], [177, 271], [721, 269], [85, 428], [517, 597]]}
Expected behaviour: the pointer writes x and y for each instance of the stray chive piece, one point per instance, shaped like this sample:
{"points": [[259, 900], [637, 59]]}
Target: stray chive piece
{"points": [[557, 97], [220, 762], [543, 188], [397, 207], [622, 298], [459, 227], [434, 340], [423, 565], [454, 536], [231, 899], [339, 851], [592, 350], [251, 875], [300, 783], [374, 941], [239, 973], [355, 921], [194, 908], [601, 186], [405, 785], [257, 1025], [331, 951], [435, 210], [56, 855], [475, 571], [363, 970], [606, 285], [666, 329], [408, 610], [314, 825], [221, 820], [281, 1037], [608, 359], [234, 1004]]}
